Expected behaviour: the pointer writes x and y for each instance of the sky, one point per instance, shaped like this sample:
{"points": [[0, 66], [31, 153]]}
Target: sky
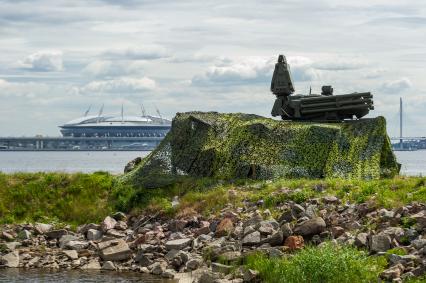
{"points": [[58, 57]]}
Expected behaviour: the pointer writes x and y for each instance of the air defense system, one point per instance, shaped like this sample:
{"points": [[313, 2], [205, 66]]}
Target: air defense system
{"points": [[314, 107]]}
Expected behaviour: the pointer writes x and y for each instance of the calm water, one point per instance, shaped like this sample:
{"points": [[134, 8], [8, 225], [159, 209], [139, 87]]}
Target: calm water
{"points": [[49, 276], [413, 162], [66, 161]]}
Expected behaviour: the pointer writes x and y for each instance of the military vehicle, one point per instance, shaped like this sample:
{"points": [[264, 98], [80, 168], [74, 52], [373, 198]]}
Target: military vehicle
{"points": [[317, 107]]}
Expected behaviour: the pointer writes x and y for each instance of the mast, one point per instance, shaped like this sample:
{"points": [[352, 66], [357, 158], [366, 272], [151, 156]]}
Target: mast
{"points": [[159, 114], [400, 123], [143, 110], [100, 112], [87, 111], [122, 113]]}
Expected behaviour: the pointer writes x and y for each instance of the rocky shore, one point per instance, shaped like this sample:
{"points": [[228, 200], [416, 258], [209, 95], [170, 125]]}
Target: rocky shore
{"points": [[212, 249]]}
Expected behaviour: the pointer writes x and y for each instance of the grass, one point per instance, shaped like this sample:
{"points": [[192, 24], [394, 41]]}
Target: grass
{"points": [[71, 198], [328, 263], [81, 198]]}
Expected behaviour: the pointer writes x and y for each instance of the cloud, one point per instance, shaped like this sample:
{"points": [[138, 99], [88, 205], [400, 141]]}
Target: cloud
{"points": [[23, 89], [119, 85], [137, 53], [396, 86], [43, 61], [340, 64], [252, 70]]}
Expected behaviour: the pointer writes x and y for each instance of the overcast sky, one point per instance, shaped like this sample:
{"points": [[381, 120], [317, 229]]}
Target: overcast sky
{"points": [[60, 56]]}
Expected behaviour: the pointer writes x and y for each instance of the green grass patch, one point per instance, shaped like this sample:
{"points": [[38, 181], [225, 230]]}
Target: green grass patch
{"points": [[325, 264], [55, 197], [81, 198]]}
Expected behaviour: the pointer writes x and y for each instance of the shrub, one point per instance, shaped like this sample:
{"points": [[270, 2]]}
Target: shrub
{"points": [[325, 264]]}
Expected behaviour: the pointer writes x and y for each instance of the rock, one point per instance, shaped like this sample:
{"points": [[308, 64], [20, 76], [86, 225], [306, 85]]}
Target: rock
{"points": [[419, 243], [71, 254], [393, 272], [202, 145], [286, 229], [7, 236], [24, 235], [208, 276], [108, 223], [249, 275], [294, 242], [361, 240], [287, 216], [221, 268], [178, 244], [385, 214], [203, 230], [194, 263], [265, 228], [9, 246], [337, 231], [142, 259], [94, 235], [115, 233], [119, 216], [92, 265], [42, 228], [114, 250], [380, 243], [251, 239], [132, 164], [298, 210], [82, 229], [231, 256], [225, 227], [330, 200], [310, 227], [76, 245], [420, 219], [177, 225], [10, 259], [108, 265], [177, 258], [168, 273], [158, 268], [275, 239], [56, 234], [63, 241], [120, 225]]}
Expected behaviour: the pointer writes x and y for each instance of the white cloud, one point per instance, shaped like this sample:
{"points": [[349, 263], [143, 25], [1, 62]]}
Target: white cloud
{"points": [[253, 69], [340, 64], [43, 61], [396, 86], [137, 53], [120, 85]]}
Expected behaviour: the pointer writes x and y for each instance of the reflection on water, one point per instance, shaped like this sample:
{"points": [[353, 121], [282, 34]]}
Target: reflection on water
{"points": [[15, 275]]}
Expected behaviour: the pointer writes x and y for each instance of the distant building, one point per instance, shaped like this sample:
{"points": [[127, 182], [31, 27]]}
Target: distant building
{"points": [[116, 126]]}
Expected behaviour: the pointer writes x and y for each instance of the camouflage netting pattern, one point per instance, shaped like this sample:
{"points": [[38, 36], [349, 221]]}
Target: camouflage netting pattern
{"points": [[233, 146]]}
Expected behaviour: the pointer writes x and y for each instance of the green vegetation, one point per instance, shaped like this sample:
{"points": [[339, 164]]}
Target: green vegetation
{"points": [[81, 198], [327, 263], [71, 198], [228, 146]]}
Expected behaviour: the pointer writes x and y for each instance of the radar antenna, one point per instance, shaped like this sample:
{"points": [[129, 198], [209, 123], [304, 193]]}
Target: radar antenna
{"points": [[87, 111]]}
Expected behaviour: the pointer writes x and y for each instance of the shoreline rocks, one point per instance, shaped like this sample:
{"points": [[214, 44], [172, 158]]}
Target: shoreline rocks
{"points": [[209, 247]]}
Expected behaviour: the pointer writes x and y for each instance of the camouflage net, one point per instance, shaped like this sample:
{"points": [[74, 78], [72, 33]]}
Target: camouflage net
{"points": [[231, 146]]}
